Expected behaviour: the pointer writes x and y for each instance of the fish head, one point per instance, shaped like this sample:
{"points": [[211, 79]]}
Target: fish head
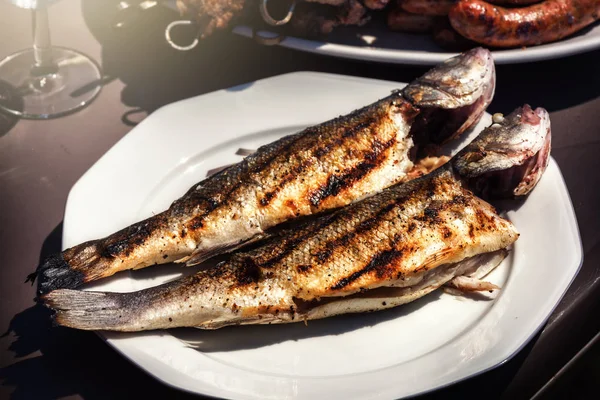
{"points": [[452, 96], [457, 82], [509, 157]]}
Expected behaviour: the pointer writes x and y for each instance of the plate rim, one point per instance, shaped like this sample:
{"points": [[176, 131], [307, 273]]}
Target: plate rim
{"points": [[547, 51], [566, 201]]}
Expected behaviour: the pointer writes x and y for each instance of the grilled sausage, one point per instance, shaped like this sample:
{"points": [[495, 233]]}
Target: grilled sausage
{"points": [[511, 27], [427, 7], [399, 20]]}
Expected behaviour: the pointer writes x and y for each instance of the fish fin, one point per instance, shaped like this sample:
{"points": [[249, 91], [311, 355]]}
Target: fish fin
{"points": [[240, 152], [484, 269], [468, 284], [31, 277], [439, 258], [87, 310], [451, 290], [245, 152], [215, 171], [199, 256]]}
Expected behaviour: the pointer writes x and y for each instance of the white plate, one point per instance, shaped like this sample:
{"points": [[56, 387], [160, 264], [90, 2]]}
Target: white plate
{"points": [[430, 343], [375, 42]]}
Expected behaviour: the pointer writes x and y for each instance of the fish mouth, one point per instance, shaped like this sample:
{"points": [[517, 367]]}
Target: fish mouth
{"points": [[516, 181], [457, 82], [510, 156], [452, 96]]}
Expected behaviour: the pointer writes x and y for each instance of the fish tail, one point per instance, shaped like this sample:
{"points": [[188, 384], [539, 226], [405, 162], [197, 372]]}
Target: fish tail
{"points": [[89, 310], [69, 269], [101, 258], [54, 273]]}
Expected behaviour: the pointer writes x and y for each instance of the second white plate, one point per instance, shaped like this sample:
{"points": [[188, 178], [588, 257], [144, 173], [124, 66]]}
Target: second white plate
{"points": [[430, 343], [375, 42]]}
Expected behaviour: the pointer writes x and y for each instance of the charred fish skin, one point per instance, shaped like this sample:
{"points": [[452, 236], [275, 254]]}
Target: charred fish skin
{"points": [[397, 245], [321, 168]]}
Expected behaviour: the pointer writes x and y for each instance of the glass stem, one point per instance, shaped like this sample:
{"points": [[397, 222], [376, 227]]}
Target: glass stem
{"points": [[42, 49]]}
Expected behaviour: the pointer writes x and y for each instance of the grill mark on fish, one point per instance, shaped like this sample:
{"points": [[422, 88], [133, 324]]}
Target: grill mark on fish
{"points": [[446, 232], [368, 224], [379, 263], [411, 227], [336, 183], [125, 241], [292, 244], [430, 215], [302, 268], [319, 153], [255, 162], [245, 171], [249, 273]]}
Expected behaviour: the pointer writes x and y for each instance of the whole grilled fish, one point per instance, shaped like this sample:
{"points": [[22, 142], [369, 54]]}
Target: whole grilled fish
{"points": [[321, 168], [383, 251]]}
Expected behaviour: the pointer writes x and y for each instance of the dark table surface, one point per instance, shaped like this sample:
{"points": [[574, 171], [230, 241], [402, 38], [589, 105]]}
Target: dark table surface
{"points": [[41, 160]]}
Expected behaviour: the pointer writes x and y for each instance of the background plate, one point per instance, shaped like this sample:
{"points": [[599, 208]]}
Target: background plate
{"points": [[427, 344], [375, 42]]}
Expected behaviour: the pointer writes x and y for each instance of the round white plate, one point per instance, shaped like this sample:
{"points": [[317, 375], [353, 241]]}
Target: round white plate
{"points": [[430, 343], [375, 42]]}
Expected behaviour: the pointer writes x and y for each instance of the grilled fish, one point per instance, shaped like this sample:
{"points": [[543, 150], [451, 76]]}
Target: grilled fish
{"points": [[318, 169], [383, 251]]}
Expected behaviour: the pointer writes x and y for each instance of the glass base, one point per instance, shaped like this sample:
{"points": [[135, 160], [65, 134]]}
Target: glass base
{"points": [[36, 93]]}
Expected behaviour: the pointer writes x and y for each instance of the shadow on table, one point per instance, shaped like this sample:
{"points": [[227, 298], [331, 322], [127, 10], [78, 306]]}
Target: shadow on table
{"points": [[71, 362], [7, 121]]}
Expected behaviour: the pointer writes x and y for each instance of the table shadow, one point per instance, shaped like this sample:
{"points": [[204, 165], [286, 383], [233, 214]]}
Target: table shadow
{"points": [[71, 362], [10, 99], [7, 122], [53, 362]]}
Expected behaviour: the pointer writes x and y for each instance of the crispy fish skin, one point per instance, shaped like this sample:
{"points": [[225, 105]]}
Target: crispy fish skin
{"points": [[321, 168], [383, 251]]}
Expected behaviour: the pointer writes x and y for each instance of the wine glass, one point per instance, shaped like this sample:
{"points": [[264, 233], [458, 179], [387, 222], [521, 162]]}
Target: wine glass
{"points": [[46, 81]]}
